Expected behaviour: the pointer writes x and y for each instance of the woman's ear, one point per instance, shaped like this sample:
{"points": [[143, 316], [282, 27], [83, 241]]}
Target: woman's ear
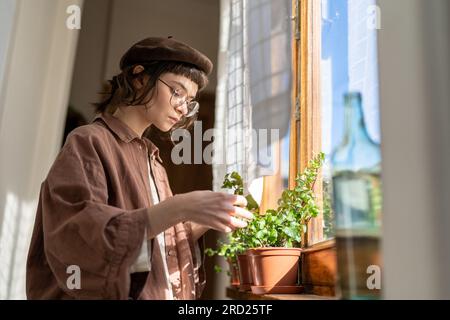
{"points": [[138, 69], [139, 81]]}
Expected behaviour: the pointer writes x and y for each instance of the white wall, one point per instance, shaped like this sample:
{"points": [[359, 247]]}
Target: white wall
{"points": [[35, 95], [414, 53], [110, 27], [7, 16]]}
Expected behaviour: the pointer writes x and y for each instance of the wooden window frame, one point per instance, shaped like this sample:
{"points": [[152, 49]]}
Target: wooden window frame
{"points": [[306, 133], [319, 260], [305, 139]]}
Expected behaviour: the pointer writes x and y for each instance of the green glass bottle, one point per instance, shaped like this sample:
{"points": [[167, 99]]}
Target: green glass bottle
{"points": [[356, 167]]}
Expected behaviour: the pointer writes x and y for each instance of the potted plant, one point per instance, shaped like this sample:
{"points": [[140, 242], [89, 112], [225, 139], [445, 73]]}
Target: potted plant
{"points": [[277, 236], [229, 251], [271, 243], [234, 249]]}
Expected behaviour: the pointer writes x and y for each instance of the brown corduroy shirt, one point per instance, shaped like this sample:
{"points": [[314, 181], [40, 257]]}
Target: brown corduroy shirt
{"points": [[92, 215]]}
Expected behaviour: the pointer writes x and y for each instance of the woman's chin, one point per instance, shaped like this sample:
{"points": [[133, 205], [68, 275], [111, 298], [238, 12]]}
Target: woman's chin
{"points": [[164, 127]]}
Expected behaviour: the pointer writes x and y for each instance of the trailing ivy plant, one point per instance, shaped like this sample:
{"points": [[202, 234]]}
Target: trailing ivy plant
{"points": [[233, 181], [284, 226], [236, 240], [299, 205], [229, 250]]}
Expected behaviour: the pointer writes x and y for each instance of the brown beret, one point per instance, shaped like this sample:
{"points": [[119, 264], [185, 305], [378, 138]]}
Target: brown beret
{"points": [[165, 49]]}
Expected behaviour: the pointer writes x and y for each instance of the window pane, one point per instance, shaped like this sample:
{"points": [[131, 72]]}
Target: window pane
{"points": [[348, 64]]}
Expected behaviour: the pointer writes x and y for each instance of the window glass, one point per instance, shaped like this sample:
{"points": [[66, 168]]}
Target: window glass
{"points": [[348, 64]]}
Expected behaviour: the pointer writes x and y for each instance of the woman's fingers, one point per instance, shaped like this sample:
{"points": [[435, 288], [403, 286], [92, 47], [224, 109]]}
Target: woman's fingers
{"points": [[221, 227], [242, 213], [238, 200], [238, 223], [224, 216], [228, 224]]}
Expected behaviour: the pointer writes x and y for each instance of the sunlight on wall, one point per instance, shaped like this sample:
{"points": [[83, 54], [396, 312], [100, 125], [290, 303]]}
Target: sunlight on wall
{"points": [[15, 238]]}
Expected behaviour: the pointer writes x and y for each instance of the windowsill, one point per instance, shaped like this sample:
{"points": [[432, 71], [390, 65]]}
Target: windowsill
{"points": [[236, 294], [318, 276]]}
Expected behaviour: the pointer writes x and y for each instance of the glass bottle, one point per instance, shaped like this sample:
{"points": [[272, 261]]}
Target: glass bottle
{"points": [[356, 167]]}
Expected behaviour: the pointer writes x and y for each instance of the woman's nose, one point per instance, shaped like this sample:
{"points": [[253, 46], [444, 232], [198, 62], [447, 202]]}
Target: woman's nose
{"points": [[182, 108]]}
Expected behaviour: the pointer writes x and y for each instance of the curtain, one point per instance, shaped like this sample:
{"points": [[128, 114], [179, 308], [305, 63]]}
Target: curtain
{"points": [[253, 101]]}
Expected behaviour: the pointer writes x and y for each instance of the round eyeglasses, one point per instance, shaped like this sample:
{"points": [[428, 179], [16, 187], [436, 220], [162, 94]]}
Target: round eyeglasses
{"points": [[179, 98]]}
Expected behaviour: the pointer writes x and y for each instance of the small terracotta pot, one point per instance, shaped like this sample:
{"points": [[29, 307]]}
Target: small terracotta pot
{"points": [[274, 267], [234, 273], [245, 273]]}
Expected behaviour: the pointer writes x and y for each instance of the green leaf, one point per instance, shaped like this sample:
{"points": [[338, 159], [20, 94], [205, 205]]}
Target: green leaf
{"points": [[251, 203], [210, 252], [259, 234], [261, 224]]}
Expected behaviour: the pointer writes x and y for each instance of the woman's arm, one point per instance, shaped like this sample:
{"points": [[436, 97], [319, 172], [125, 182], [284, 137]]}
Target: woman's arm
{"points": [[198, 230], [163, 215], [205, 209]]}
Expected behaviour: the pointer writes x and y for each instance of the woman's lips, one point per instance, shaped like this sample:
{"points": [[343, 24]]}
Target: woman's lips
{"points": [[173, 120]]}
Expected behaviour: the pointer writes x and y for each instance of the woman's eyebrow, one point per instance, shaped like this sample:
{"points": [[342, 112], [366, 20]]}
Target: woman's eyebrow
{"points": [[182, 86]]}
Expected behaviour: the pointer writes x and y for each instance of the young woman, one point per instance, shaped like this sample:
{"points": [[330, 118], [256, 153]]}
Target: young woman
{"points": [[107, 224]]}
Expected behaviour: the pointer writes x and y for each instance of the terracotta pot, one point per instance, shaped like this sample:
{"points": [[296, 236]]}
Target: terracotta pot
{"points": [[234, 273], [274, 270], [319, 268], [245, 273]]}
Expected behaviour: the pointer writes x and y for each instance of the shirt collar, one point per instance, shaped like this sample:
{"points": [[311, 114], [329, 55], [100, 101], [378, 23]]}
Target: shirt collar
{"points": [[125, 133], [153, 149]]}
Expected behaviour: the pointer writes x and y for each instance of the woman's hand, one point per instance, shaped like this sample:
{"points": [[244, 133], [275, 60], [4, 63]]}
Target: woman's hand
{"points": [[216, 210]]}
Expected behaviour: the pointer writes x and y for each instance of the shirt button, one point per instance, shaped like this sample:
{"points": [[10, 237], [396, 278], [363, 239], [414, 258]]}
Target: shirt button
{"points": [[152, 157], [171, 253]]}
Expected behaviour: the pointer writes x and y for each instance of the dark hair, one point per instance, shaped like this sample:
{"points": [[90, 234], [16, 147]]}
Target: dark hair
{"points": [[122, 90], [74, 119]]}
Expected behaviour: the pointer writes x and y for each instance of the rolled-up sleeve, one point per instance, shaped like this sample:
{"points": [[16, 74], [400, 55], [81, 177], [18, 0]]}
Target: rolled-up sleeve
{"points": [[81, 229]]}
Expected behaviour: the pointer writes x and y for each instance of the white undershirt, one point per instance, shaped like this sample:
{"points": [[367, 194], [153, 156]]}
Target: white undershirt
{"points": [[142, 263]]}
